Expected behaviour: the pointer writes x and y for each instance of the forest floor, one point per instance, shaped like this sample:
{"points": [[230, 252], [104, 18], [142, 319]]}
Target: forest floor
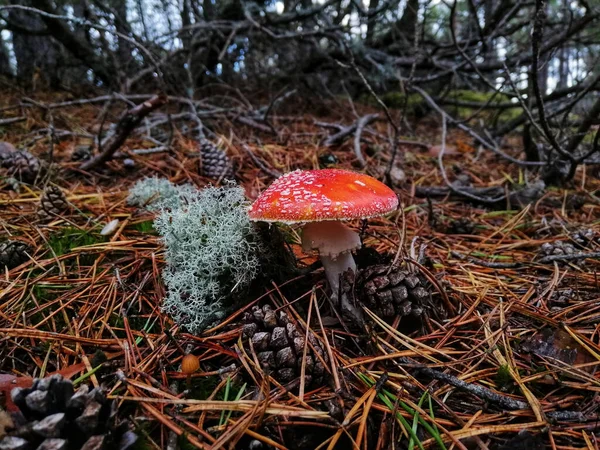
{"points": [[506, 358]]}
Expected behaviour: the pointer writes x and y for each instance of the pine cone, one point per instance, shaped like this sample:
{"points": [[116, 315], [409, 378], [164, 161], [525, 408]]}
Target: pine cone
{"points": [[215, 163], [584, 237], [81, 153], [559, 248], [52, 203], [461, 226], [6, 149], [14, 253], [21, 165], [399, 292], [279, 345], [55, 416]]}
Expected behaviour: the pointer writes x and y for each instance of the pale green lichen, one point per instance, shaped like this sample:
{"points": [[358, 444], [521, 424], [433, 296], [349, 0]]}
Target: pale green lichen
{"points": [[210, 251], [155, 193]]}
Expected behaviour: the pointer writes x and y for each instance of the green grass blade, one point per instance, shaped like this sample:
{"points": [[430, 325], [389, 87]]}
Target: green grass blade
{"points": [[226, 398]]}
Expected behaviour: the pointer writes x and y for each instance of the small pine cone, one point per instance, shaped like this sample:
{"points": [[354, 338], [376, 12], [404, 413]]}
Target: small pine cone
{"points": [[584, 237], [399, 292], [14, 253], [52, 203], [215, 163], [559, 248], [279, 345], [6, 149], [461, 226], [81, 153], [52, 415], [561, 297], [21, 165]]}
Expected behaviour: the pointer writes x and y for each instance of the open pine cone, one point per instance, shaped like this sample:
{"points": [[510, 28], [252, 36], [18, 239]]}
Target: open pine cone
{"points": [[400, 292], [14, 253], [560, 248], [82, 153], [279, 346], [55, 416], [215, 163], [52, 203], [21, 165]]}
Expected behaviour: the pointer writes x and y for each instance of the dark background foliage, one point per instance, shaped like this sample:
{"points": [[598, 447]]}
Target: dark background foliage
{"points": [[523, 65]]}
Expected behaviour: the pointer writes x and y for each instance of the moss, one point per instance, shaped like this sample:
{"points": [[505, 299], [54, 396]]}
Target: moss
{"points": [[146, 227], [203, 387], [504, 380], [416, 106], [183, 442], [65, 240], [143, 430], [43, 294], [414, 103], [69, 238], [464, 95], [589, 136], [398, 100]]}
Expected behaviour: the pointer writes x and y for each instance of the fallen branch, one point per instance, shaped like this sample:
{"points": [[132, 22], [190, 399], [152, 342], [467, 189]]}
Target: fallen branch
{"points": [[571, 257], [343, 133], [128, 122], [453, 188], [12, 120], [487, 144], [522, 197], [254, 124], [487, 394], [360, 125], [260, 164]]}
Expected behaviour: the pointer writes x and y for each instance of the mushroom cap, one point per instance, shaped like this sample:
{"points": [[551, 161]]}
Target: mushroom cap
{"points": [[189, 364], [326, 194]]}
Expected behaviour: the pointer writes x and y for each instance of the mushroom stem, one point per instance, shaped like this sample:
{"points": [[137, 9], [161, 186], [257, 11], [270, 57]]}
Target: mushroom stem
{"points": [[334, 269], [335, 242]]}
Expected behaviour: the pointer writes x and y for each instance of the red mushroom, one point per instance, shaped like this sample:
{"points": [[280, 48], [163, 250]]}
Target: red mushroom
{"points": [[321, 199]]}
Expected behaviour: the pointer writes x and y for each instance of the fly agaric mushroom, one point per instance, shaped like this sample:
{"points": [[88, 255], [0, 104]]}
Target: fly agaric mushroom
{"points": [[322, 199]]}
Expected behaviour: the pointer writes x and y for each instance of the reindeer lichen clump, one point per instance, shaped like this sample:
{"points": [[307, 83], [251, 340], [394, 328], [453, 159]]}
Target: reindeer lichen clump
{"points": [[210, 250]]}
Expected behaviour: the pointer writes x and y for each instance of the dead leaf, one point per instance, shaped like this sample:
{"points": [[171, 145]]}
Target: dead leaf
{"points": [[557, 344], [8, 383]]}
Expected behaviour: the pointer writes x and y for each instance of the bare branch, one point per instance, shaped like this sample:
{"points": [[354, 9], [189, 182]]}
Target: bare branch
{"points": [[128, 122]]}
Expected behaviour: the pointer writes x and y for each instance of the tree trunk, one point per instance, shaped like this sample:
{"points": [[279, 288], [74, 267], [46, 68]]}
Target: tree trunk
{"points": [[80, 49], [125, 48], [72, 71], [399, 39], [142, 13], [544, 61], [563, 67], [373, 5], [543, 75], [491, 53], [36, 55], [208, 10], [5, 68], [563, 58], [407, 25]]}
